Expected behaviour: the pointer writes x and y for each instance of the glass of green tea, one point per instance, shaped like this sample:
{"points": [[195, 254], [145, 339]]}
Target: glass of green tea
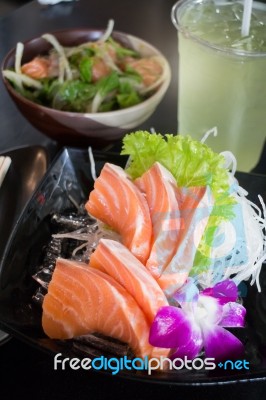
{"points": [[222, 76]]}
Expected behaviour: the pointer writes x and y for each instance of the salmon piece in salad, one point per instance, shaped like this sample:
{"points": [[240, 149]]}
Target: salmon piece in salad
{"points": [[37, 68], [116, 260], [99, 69], [160, 189], [42, 67], [118, 203], [83, 300], [149, 69]]}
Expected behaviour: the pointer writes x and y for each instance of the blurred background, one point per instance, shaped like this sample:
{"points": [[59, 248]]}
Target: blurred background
{"points": [[7, 6]]}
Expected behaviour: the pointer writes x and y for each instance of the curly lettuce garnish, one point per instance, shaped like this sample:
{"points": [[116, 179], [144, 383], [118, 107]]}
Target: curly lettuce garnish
{"points": [[192, 163]]}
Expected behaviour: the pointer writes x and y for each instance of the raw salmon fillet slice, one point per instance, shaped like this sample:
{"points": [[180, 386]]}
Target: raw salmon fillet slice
{"points": [[116, 260], [83, 300], [160, 189], [196, 204], [117, 202]]}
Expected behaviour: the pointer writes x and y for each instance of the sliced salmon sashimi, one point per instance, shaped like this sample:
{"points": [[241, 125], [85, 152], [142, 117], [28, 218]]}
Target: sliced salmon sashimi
{"points": [[196, 204], [120, 291], [83, 300], [160, 189], [117, 202], [117, 261]]}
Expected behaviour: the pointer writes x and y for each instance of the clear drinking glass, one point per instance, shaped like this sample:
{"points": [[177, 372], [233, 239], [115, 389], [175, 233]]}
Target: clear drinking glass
{"points": [[222, 76]]}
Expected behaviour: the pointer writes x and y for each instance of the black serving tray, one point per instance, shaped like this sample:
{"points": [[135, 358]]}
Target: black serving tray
{"points": [[28, 166], [69, 176]]}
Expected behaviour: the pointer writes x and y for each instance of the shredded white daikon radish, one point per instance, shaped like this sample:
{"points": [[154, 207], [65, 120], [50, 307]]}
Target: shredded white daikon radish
{"points": [[92, 164], [18, 57], [109, 61], [230, 161], [254, 236], [18, 79], [97, 100], [250, 250], [213, 131], [109, 30], [61, 70], [255, 225], [60, 50]]}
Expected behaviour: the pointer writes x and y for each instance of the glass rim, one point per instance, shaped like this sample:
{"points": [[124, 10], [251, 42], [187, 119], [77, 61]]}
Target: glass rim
{"points": [[175, 17]]}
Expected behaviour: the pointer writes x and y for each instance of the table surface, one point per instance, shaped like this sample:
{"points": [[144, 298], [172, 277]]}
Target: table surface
{"points": [[25, 371]]}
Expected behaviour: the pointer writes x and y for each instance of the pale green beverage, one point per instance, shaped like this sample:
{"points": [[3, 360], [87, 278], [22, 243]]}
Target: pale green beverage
{"points": [[222, 76]]}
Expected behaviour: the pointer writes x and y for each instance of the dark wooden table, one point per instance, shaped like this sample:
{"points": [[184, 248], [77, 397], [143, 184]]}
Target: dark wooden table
{"points": [[26, 372]]}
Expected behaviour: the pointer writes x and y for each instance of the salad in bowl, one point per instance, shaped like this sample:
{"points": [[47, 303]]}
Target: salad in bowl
{"points": [[86, 86]]}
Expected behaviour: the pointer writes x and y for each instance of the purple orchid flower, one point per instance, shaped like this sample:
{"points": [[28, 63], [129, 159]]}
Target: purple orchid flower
{"points": [[200, 322]]}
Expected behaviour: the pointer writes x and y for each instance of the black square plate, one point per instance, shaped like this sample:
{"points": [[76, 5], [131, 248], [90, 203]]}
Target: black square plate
{"points": [[70, 174]]}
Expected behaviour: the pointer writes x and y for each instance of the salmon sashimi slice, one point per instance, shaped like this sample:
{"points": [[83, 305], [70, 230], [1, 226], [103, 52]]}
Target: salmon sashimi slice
{"points": [[150, 69], [38, 68], [117, 261], [196, 204], [160, 188], [99, 69], [117, 202], [83, 300]]}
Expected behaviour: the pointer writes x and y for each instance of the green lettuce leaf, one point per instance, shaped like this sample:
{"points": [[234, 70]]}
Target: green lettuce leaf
{"points": [[122, 51], [128, 99], [108, 83], [85, 69], [192, 163], [73, 96]]}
